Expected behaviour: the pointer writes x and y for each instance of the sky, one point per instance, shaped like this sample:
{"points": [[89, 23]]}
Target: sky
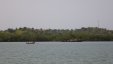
{"points": [[56, 14]]}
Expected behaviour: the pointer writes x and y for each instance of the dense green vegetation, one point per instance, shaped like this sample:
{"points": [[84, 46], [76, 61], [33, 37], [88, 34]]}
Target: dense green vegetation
{"points": [[31, 34]]}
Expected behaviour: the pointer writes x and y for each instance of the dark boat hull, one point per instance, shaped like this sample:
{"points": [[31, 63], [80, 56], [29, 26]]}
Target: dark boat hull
{"points": [[30, 42]]}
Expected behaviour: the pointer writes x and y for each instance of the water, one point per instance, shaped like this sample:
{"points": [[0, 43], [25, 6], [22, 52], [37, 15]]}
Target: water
{"points": [[56, 53]]}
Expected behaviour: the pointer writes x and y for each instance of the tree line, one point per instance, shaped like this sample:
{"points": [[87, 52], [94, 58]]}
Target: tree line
{"points": [[31, 34]]}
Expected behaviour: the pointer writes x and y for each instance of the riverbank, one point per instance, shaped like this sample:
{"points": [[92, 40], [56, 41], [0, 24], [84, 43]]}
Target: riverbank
{"points": [[67, 35]]}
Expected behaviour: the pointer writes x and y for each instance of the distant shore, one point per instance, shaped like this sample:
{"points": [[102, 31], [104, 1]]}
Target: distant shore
{"points": [[60, 35]]}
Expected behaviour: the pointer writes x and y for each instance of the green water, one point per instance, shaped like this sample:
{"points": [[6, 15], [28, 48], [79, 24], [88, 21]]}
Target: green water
{"points": [[56, 53]]}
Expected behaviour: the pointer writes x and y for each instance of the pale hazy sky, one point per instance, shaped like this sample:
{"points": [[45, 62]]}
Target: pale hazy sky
{"points": [[59, 14]]}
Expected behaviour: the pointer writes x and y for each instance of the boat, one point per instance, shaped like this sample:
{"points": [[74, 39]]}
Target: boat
{"points": [[30, 42], [75, 40]]}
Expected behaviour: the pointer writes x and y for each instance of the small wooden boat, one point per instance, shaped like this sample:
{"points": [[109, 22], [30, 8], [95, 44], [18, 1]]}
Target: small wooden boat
{"points": [[74, 40], [30, 42]]}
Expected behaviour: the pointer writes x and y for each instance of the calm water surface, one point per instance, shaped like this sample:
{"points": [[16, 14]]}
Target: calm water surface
{"points": [[56, 53]]}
